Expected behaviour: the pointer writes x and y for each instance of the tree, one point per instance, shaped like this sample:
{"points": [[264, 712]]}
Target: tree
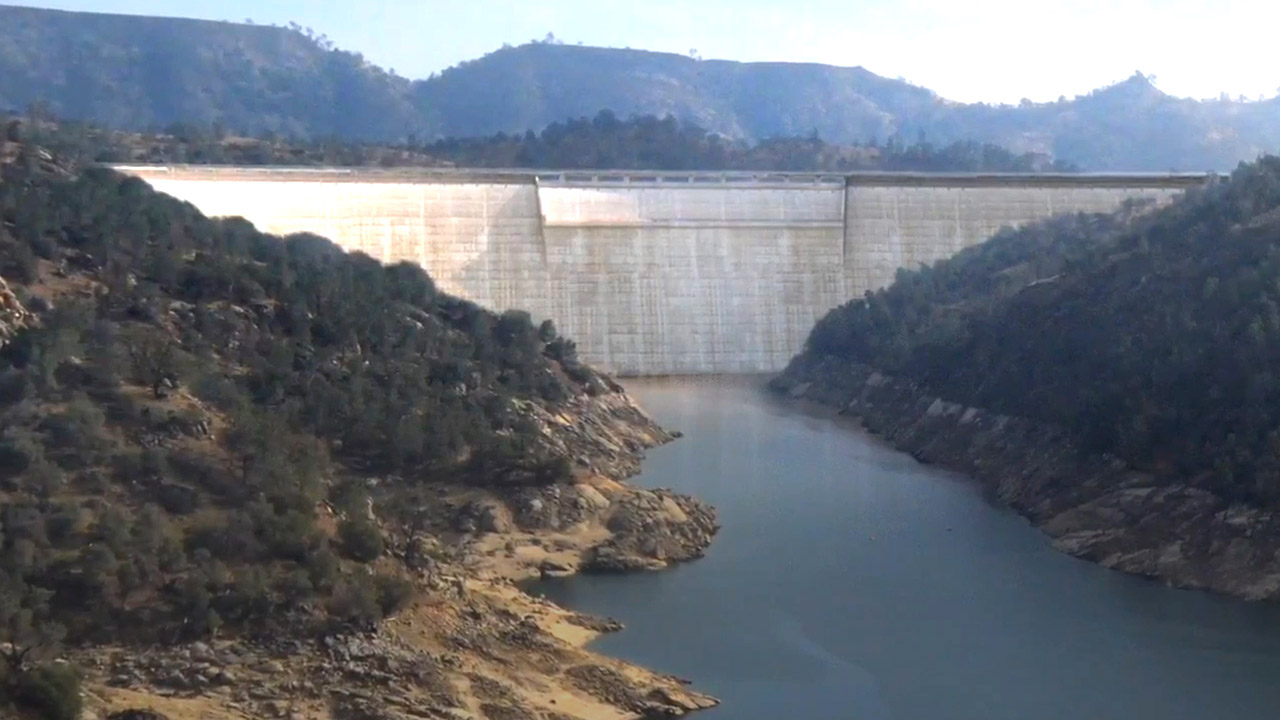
{"points": [[355, 601], [57, 341], [361, 539], [52, 691], [27, 635], [393, 593], [155, 359], [547, 331]]}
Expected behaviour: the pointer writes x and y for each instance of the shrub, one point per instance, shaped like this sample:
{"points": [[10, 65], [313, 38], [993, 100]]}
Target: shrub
{"points": [[361, 539], [78, 435], [295, 587], [65, 523], [290, 535], [17, 454], [355, 601], [20, 262], [177, 499], [394, 593], [322, 568], [14, 386], [50, 691]]}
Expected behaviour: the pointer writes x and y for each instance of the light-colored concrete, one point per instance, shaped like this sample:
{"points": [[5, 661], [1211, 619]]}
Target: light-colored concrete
{"points": [[653, 273], [904, 226]]}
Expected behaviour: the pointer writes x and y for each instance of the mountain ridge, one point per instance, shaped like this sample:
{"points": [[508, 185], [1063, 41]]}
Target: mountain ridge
{"points": [[150, 72]]}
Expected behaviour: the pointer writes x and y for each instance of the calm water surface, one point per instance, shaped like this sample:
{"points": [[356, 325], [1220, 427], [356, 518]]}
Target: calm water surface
{"points": [[851, 582]]}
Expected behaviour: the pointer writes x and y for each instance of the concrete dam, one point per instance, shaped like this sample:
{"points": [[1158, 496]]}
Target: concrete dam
{"points": [[654, 273]]}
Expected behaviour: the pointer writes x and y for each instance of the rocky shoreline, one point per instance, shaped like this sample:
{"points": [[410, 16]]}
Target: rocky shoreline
{"points": [[472, 645], [1094, 507]]}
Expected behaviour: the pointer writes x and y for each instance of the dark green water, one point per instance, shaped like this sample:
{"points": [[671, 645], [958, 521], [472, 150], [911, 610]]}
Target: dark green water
{"points": [[851, 582]]}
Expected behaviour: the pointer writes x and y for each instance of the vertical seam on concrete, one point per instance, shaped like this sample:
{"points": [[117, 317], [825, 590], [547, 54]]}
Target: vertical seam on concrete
{"points": [[387, 230], [542, 223], [958, 240], [844, 223], [424, 237]]}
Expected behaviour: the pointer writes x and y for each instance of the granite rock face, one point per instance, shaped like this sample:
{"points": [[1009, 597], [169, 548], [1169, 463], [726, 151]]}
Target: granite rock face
{"points": [[647, 528], [652, 529], [13, 316]]}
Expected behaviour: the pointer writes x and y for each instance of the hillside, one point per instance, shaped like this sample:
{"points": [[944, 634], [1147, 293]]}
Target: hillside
{"points": [[260, 476], [133, 73], [646, 142], [603, 142], [142, 72], [533, 85], [1128, 126], [1150, 339]]}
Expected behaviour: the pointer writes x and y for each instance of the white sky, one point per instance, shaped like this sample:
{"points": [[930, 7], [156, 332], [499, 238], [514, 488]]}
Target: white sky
{"points": [[969, 50]]}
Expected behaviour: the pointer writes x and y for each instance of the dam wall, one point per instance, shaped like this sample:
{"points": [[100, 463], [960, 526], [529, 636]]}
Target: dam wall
{"points": [[907, 220], [654, 273]]}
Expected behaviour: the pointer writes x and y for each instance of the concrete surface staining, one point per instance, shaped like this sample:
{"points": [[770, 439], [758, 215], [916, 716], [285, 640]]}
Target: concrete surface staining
{"points": [[697, 279], [653, 273]]}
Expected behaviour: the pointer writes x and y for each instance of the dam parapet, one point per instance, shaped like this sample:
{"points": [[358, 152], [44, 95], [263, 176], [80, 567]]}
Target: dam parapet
{"points": [[655, 273]]}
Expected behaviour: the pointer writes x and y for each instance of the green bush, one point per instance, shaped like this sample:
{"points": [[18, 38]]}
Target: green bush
{"points": [[50, 691], [294, 587], [16, 455], [355, 601], [361, 539], [322, 568], [394, 593]]}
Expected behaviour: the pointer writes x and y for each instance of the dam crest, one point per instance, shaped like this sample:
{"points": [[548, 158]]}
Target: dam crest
{"points": [[655, 273]]}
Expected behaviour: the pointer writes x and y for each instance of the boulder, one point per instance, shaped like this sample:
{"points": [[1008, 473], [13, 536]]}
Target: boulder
{"points": [[494, 518]]}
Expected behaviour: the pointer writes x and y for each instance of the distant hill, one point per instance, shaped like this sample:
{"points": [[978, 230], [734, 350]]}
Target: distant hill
{"points": [[1127, 126], [536, 84], [135, 72]]}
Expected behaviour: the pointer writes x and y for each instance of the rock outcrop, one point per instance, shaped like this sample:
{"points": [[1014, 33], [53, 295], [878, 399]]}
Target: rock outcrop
{"points": [[592, 523], [13, 316], [650, 529], [606, 433], [1094, 506], [485, 651]]}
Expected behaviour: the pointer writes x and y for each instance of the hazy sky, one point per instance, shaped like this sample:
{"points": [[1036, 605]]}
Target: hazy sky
{"points": [[970, 50]]}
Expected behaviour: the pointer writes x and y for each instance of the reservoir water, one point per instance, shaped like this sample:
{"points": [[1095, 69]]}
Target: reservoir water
{"points": [[851, 582]]}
